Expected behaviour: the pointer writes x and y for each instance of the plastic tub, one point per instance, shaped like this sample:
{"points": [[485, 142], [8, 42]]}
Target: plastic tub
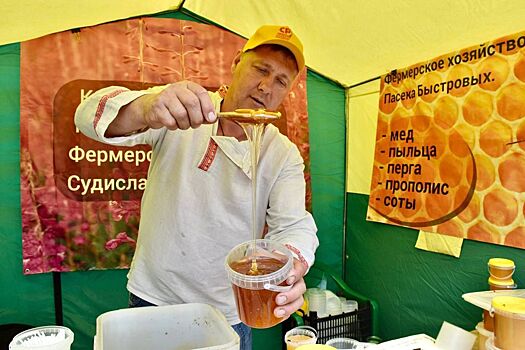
{"points": [[174, 327], [316, 347], [255, 291], [509, 323], [483, 336], [496, 284], [501, 269], [43, 338]]}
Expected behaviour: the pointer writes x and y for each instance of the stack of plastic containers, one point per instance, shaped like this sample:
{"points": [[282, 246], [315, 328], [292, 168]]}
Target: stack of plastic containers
{"points": [[501, 271]]}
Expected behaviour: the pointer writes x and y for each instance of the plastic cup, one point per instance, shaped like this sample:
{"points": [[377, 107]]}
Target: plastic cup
{"points": [[454, 337], [43, 338], [298, 336], [333, 304], [255, 291], [343, 343], [349, 306], [317, 301]]}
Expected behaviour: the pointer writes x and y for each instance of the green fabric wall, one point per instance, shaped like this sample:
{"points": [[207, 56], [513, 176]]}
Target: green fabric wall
{"points": [[27, 300], [85, 295], [416, 290]]}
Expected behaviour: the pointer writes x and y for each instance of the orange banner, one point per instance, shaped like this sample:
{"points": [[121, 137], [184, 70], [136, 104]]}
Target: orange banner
{"points": [[450, 145], [80, 199]]}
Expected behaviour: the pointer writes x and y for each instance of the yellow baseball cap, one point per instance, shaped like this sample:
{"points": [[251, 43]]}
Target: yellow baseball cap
{"points": [[278, 35]]}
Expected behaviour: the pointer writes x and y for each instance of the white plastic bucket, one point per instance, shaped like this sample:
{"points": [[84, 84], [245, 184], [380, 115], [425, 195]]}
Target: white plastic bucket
{"points": [[43, 338], [174, 327]]}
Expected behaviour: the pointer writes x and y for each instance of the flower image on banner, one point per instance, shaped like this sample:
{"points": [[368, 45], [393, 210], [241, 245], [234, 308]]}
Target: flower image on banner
{"points": [[80, 198], [450, 145]]}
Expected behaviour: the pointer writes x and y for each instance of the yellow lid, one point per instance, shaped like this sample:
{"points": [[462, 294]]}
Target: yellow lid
{"points": [[506, 283], [500, 262], [305, 308], [509, 304]]}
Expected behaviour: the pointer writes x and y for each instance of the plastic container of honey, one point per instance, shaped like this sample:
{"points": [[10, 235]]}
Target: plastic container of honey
{"points": [[501, 269], [255, 289], [298, 336], [509, 323], [488, 321], [496, 284]]}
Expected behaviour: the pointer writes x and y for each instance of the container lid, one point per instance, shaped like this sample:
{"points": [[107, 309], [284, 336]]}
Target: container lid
{"points": [[507, 283], [503, 263], [484, 299], [511, 305], [45, 338]]}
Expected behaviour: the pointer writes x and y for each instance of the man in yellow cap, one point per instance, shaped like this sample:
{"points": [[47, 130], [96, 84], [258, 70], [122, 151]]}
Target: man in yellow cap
{"points": [[197, 202]]}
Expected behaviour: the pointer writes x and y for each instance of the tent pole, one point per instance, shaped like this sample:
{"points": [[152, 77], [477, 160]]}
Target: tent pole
{"points": [[57, 292], [363, 82]]}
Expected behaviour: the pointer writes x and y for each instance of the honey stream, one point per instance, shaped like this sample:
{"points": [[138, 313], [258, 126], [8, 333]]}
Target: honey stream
{"points": [[254, 132], [253, 123]]}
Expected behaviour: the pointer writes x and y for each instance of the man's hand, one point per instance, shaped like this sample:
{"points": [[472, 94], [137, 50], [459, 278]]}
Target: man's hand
{"points": [[181, 105], [291, 301]]}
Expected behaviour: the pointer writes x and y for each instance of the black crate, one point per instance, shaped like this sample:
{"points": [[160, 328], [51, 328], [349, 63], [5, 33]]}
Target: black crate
{"points": [[356, 325]]}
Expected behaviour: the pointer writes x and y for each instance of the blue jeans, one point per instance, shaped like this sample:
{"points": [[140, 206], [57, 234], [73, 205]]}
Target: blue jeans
{"points": [[244, 332]]}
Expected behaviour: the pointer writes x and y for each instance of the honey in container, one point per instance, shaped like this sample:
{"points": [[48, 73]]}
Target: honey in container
{"points": [[509, 322], [299, 336], [255, 290], [501, 269]]}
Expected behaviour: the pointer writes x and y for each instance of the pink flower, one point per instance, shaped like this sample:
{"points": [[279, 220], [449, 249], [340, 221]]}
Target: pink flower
{"points": [[84, 227], [124, 209], [121, 238], [79, 240]]}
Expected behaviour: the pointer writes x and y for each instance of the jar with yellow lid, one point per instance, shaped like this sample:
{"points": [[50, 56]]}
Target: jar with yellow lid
{"points": [[509, 322], [501, 269], [496, 284]]}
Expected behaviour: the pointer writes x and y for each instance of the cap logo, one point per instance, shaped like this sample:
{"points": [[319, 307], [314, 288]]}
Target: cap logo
{"points": [[284, 33]]}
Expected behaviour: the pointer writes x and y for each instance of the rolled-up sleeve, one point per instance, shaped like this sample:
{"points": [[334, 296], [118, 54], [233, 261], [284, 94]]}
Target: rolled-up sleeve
{"points": [[94, 115]]}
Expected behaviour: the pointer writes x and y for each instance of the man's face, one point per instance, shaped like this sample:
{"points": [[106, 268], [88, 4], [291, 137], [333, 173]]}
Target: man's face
{"points": [[262, 79]]}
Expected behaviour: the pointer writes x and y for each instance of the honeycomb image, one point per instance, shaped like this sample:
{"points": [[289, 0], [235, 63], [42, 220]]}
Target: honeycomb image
{"points": [[462, 171]]}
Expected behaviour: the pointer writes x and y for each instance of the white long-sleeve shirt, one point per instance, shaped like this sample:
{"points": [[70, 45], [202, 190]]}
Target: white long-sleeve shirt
{"points": [[197, 204]]}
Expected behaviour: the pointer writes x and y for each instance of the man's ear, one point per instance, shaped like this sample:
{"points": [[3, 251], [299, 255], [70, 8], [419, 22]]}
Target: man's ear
{"points": [[236, 60]]}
